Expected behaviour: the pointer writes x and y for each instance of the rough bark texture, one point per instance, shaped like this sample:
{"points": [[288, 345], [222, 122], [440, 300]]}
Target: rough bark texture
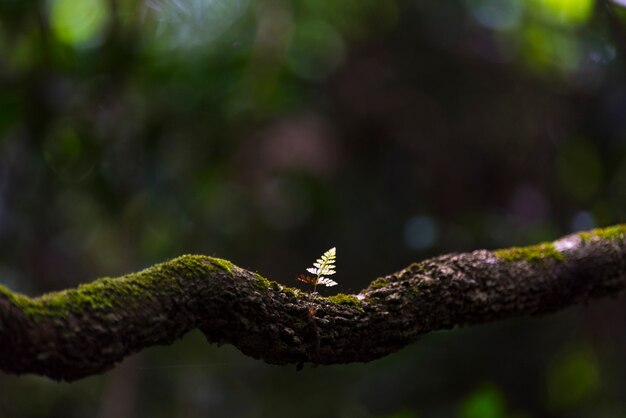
{"points": [[84, 331]]}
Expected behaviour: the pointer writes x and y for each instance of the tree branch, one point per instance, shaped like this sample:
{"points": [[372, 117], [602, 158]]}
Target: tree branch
{"points": [[79, 332]]}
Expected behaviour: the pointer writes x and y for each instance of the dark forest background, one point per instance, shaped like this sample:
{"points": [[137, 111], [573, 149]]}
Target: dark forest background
{"points": [[267, 131]]}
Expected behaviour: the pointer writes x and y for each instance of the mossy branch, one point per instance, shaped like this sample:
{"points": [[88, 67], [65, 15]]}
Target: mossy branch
{"points": [[79, 332]]}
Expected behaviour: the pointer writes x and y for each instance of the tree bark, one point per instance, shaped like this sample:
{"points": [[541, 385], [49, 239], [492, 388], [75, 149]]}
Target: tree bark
{"points": [[79, 332]]}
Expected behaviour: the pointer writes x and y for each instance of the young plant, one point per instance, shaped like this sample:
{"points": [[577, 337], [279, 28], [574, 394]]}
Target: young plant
{"points": [[323, 266]]}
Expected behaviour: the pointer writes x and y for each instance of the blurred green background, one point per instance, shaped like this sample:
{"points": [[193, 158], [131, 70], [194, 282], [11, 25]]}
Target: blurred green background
{"points": [[267, 131]]}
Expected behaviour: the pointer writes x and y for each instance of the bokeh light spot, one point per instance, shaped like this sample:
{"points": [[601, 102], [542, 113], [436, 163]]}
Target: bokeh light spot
{"points": [[495, 14], [485, 402], [420, 232], [573, 379], [192, 23], [79, 23], [547, 49], [564, 11]]}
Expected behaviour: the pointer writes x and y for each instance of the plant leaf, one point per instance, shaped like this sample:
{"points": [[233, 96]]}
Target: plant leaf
{"points": [[326, 281], [307, 279], [324, 266]]}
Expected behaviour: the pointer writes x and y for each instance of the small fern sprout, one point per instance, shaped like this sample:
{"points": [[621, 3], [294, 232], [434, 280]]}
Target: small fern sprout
{"points": [[323, 266]]}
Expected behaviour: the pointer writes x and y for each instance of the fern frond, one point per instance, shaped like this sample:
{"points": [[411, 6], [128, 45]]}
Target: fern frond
{"points": [[326, 281], [327, 262], [307, 279], [324, 266]]}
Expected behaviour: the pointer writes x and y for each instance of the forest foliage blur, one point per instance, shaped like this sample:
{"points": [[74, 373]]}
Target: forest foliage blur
{"points": [[266, 131]]}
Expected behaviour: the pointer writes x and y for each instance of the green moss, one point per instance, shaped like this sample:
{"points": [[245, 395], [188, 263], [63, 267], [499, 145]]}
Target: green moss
{"points": [[617, 232], [291, 291], [343, 299], [105, 293], [6, 292], [533, 253], [114, 293], [379, 283], [265, 284], [261, 282], [31, 307], [546, 250], [221, 264], [16, 299]]}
